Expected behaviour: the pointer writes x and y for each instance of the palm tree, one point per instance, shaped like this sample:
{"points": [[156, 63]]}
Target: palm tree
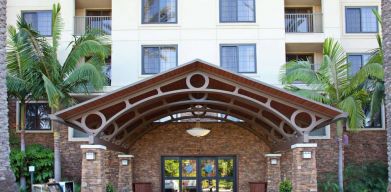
{"points": [[332, 85], [81, 72], [7, 178], [19, 82], [386, 15]]}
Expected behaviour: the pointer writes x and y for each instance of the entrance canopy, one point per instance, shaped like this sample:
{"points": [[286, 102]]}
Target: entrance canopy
{"points": [[199, 90]]}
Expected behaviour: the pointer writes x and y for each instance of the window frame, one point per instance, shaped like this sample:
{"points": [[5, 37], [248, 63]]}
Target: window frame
{"points": [[356, 54], [237, 21], [36, 11], [238, 45], [164, 23], [17, 112], [360, 7], [157, 46], [75, 139], [321, 137]]}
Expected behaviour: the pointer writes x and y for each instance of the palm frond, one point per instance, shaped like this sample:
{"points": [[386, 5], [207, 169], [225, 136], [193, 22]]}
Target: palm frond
{"points": [[354, 108], [54, 95], [83, 49], [86, 74], [295, 71], [57, 25]]}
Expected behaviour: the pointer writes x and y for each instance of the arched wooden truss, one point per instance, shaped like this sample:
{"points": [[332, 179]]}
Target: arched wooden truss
{"points": [[118, 119]]}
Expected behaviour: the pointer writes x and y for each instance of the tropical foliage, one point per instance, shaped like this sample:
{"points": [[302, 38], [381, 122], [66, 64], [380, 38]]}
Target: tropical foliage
{"points": [[371, 76], [331, 84], [36, 71], [365, 177], [35, 155]]}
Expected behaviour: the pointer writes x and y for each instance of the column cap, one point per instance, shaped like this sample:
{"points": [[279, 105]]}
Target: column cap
{"points": [[304, 145], [93, 147], [125, 156], [272, 155]]}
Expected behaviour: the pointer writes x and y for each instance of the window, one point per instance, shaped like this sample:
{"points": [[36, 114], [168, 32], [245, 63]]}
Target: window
{"points": [[238, 58], [159, 11], [76, 135], [157, 59], [357, 61], [190, 174], [321, 133], [41, 21], [36, 116], [301, 57], [361, 20], [377, 121], [237, 10]]}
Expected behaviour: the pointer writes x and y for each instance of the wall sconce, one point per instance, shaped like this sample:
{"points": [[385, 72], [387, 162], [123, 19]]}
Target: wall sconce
{"points": [[125, 162], [273, 161], [307, 154], [90, 155]]}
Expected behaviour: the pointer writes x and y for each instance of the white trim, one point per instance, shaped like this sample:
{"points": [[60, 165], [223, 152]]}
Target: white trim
{"points": [[327, 136], [75, 139], [304, 145], [93, 147], [272, 155], [125, 156], [17, 111]]}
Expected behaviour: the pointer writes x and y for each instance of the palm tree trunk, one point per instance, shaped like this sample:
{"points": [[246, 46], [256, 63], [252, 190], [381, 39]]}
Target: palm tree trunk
{"points": [[7, 177], [340, 154], [386, 19], [22, 128]]}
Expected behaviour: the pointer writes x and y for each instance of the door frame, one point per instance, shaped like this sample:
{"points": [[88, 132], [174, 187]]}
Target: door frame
{"points": [[198, 177]]}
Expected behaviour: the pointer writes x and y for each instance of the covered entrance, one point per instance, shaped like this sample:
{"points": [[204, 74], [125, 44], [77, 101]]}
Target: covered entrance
{"points": [[264, 127]]}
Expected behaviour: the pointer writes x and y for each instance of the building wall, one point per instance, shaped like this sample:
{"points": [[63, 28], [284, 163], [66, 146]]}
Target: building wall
{"points": [[224, 139]]}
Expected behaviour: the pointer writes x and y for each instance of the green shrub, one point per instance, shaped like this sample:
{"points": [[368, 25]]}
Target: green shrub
{"points": [[286, 186], [36, 155], [329, 183], [369, 176], [110, 188], [365, 177]]}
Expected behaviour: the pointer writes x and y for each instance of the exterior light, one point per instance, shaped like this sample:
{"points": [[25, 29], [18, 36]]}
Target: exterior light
{"points": [[273, 161], [307, 154], [125, 162], [31, 169], [198, 131], [90, 155]]}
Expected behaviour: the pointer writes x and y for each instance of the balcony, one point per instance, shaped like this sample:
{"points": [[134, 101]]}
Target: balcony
{"points": [[92, 23], [303, 23]]}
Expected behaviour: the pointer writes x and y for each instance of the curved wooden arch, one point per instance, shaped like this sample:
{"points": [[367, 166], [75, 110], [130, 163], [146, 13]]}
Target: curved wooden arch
{"points": [[130, 112]]}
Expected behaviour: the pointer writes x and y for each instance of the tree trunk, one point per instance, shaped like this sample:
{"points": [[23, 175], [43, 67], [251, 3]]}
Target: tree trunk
{"points": [[386, 19], [22, 128], [7, 177], [340, 154]]}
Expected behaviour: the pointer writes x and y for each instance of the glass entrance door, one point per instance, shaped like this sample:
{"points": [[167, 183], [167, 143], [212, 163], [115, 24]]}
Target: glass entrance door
{"points": [[199, 174]]}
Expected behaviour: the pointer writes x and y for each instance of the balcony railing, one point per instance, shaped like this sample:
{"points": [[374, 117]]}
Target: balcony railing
{"points": [[304, 23], [87, 23]]}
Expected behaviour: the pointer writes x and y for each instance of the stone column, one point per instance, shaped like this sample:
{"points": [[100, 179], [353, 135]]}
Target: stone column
{"points": [[93, 178], [273, 172], [304, 172], [125, 179]]}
